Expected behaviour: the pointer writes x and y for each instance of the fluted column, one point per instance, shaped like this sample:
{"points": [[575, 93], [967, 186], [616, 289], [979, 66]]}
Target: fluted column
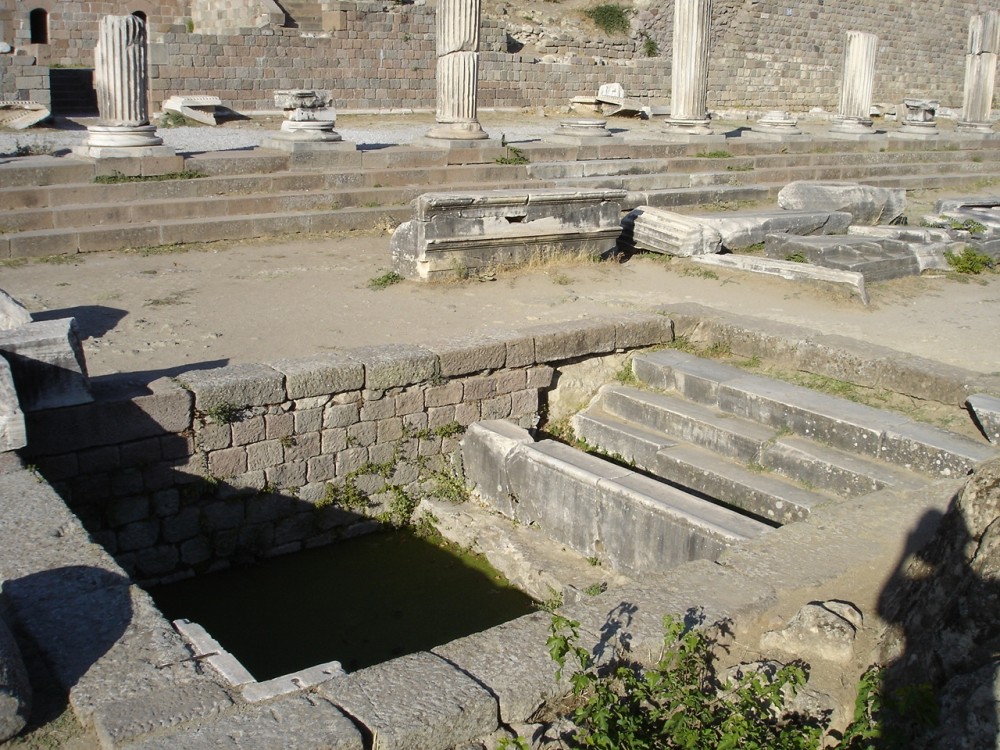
{"points": [[689, 74], [980, 71], [854, 113], [122, 82], [457, 24]]}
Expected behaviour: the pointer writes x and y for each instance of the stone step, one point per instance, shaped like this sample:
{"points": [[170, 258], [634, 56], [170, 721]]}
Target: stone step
{"points": [[679, 420], [636, 524], [180, 231], [139, 212], [746, 487], [843, 424], [813, 464]]}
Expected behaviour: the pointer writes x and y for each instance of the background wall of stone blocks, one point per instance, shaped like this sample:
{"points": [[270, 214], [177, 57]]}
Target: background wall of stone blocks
{"points": [[765, 54]]}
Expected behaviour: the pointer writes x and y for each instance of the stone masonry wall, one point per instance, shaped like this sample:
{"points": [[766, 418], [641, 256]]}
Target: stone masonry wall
{"points": [[250, 460]]}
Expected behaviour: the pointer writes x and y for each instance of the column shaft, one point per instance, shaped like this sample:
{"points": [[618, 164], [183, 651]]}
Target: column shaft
{"points": [[859, 75], [980, 68], [689, 73], [120, 71]]}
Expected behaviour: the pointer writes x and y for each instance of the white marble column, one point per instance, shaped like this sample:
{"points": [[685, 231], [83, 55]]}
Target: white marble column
{"points": [[854, 114], [121, 79], [689, 74], [980, 71], [457, 24]]}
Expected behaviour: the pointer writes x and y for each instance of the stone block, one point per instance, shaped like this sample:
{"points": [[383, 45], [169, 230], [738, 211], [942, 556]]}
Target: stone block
{"points": [[469, 354], [635, 330], [320, 375], [47, 363], [927, 449], [239, 385], [986, 410], [395, 366], [555, 342], [486, 447], [12, 313], [866, 204], [12, 431], [876, 259], [117, 416], [393, 702]]}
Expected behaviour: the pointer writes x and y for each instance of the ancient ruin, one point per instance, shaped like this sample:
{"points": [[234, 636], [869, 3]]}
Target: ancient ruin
{"points": [[619, 457]]}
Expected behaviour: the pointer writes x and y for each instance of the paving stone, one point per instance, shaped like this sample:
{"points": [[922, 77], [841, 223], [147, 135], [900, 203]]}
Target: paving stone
{"points": [[47, 363], [512, 661], [301, 721], [239, 385], [927, 449], [415, 701], [170, 706], [320, 375], [395, 366]]}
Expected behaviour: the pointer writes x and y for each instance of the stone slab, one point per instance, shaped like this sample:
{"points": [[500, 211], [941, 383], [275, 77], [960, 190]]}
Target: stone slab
{"points": [[396, 365], [694, 377], [416, 701], [865, 203], [255, 692], [986, 410], [47, 363], [15, 688], [320, 375], [468, 354], [927, 449], [633, 444], [555, 342], [852, 281], [486, 446], [239, 385], [302, 721]]}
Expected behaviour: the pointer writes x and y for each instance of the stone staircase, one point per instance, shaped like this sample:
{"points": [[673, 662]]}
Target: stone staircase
{"points": [[766, 448], [51, 205], [304, 15]]}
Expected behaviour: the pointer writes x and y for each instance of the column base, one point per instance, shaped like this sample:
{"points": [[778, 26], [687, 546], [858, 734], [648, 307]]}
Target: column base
{"points": [[915, 132], [122, 136], [293, 145], [458, 131], [974, 128], [682, 126], [583, 132], [310, 131]]}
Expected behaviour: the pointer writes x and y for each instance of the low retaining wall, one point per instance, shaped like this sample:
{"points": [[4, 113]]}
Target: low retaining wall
{"points": [[250, 460]]}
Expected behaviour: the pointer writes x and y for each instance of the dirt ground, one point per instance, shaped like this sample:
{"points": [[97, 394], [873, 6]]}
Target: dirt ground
{"points": [[151, 313]]}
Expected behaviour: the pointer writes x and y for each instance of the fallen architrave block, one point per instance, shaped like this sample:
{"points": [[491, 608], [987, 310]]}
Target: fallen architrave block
{"points": [[198, 108], [18, 115], [456, 232], [790, 270], [866, 204], [12, 431], [877, 259], [661, 231], [12, 312], [47, 362], [929, 246]]}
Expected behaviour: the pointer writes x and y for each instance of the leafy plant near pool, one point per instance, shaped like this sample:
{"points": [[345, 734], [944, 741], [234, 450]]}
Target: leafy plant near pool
{"points": [[681, 702]]}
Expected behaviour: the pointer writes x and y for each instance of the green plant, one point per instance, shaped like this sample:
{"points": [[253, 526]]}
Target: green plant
{"points": [[970, 261], [714, 155], [626, 373], [513, 155], [701, 273], [287, 441], [385, 280], [117, 177], [224, 413], [189, 25], [562, 279], [756, 247], [551, 604], [797, 257], [172, 120], [649, 46], [596, 588], [745, 167], [889, 720], [611, 18], [681, 702]]}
